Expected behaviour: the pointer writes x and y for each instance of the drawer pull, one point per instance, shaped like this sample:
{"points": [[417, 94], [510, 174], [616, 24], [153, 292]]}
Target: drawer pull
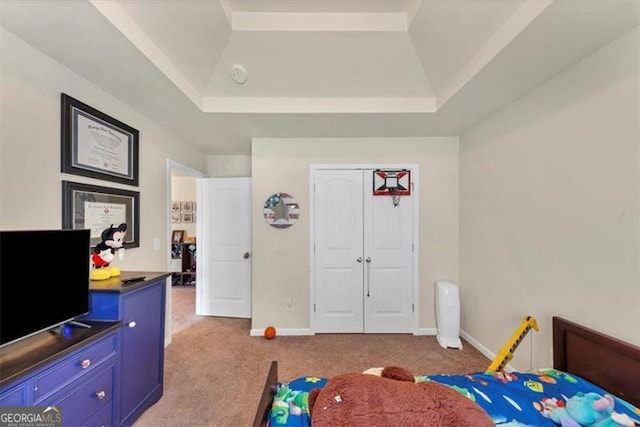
{"points": [[85, 363], [101, 394], [132, 324]]}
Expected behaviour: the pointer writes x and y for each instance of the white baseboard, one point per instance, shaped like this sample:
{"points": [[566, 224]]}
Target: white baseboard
{"points": [[426, 331], [478, 346], [293, 332], [283, 332], [482, 349]]}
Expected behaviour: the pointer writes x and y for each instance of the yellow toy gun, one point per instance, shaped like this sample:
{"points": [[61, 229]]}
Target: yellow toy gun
{"points": [[506, 353]]}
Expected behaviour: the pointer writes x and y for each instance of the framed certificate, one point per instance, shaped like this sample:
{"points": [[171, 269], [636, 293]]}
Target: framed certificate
{"points": [[96, 208], [97, 145]]}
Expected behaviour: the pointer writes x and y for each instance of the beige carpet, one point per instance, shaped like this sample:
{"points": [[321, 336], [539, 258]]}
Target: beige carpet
{"points": [[183, 308], [214, 371]]}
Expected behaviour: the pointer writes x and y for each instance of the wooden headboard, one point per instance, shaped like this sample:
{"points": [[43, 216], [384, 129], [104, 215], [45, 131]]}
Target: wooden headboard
{"points": [[269, 390], [605, 361]]}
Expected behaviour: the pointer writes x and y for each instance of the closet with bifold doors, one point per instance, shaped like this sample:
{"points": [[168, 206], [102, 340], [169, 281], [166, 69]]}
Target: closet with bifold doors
{"points": [[363, 249]]}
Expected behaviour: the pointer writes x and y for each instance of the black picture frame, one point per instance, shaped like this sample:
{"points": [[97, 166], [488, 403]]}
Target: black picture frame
{"points": [[96, 145], [177, 236], [97, 208]]}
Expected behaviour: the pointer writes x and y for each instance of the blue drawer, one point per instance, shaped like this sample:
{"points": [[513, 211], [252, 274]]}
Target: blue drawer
{"points": [[89, 398], [17, 396], [79, 364], [102, 418]]}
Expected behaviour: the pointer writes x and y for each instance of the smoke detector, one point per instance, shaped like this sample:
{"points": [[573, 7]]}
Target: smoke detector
{"points": [[239, 74]]}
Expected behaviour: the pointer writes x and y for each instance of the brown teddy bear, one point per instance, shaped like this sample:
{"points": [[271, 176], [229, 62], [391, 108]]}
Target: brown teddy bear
{"points": [[391, 399]]}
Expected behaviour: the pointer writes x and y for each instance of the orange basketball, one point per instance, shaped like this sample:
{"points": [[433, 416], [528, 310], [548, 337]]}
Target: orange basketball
{"points": [[269, 332]]}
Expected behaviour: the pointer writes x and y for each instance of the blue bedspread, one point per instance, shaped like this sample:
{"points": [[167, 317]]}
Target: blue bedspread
{"points": [[510, 399]]}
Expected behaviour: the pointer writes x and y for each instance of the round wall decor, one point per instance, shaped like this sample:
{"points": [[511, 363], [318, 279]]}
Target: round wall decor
{"points": [[281, 210]]}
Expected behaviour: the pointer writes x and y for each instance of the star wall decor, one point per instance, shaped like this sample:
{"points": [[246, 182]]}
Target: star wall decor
{"points": [[281, 210]]}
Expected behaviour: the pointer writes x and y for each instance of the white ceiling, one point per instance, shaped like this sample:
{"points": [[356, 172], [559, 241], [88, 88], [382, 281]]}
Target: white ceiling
{"points": [[317, 68]]}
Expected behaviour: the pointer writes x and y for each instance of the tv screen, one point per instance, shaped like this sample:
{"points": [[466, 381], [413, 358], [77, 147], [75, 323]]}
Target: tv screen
{"points": [[44, 280]]}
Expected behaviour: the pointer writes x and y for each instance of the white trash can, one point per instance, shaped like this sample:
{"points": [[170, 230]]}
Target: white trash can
{"points": [[448, 315]]}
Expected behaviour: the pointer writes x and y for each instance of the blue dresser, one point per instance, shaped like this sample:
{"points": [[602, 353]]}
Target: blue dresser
{"points": [[140, 306], [106, 375], [79, 373]]}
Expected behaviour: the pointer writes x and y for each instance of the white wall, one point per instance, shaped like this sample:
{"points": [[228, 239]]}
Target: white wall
{"points": [[229, 166], [30, 177], [549, 197], [281, 256]]}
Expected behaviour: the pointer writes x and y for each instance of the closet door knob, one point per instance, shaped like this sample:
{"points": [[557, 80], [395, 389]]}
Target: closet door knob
{"points": [[101, 394], [246, 255], [368, 259], [132, 324], [359, 259]]}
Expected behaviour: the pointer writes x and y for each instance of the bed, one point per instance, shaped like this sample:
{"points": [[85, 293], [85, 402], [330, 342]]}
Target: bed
{"points": [[584, 361]]}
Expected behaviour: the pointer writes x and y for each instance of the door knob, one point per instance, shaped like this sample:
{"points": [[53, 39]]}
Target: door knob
{"points": [[359, 259], [368, 259], [246, 255]]}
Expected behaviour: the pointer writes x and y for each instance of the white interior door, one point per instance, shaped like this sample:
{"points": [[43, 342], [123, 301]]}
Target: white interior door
{"points": [[363, 273], [388, 251], [338, 251], [224, 247]]}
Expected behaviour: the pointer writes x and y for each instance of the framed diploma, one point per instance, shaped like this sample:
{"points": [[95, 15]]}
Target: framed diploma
{"points": [[97, 145], [96, 208]]}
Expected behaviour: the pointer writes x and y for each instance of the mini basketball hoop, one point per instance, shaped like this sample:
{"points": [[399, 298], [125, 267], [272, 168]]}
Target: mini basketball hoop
{"points": [[394, 183]]}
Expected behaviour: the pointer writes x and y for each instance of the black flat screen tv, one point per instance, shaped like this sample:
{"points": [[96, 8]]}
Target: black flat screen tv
{"points": [[44, 280]]}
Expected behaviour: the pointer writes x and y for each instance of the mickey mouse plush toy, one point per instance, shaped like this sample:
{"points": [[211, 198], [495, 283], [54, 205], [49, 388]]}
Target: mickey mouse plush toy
{"points": [[104, 252]]}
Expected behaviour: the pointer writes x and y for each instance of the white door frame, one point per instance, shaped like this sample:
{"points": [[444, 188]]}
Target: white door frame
{"points": [[172, 165], [415, 264]]}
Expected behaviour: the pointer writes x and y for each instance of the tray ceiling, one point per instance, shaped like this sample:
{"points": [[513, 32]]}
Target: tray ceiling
{"points": [[317, 68]]}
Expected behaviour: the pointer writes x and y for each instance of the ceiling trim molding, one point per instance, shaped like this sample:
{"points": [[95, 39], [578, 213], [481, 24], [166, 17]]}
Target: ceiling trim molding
{"points": [[115, 14], [228, 11], [506, 33], [317, 105], [280, 21], [413, 10]]}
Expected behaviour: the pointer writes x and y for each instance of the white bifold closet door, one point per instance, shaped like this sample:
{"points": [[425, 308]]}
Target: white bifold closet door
{"points": [[363, 256]]}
